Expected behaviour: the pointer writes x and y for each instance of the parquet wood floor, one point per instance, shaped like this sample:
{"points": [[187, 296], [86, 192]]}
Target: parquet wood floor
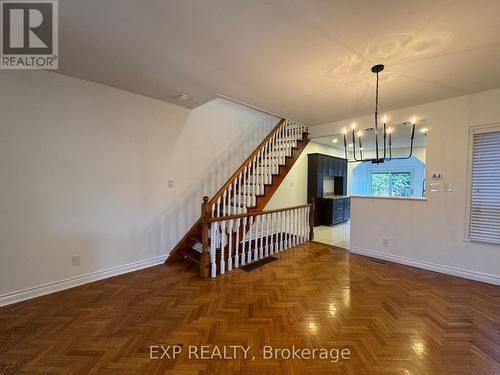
{"points": [[394, 320]]}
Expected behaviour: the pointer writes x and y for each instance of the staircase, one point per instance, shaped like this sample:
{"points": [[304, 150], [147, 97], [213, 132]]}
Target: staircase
{"points": [[233, 230]]}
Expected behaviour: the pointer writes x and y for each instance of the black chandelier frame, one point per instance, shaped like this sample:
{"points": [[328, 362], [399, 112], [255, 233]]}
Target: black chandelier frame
{"points": [[387, 135]]}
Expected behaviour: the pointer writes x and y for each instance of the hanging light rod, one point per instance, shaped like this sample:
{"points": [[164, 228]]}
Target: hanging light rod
{"points": [[380, 155]]}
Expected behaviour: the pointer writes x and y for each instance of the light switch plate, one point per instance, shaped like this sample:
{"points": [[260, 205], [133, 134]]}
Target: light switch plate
{"points": [[435, 187], [75, 260], [448, 187], [436, 175], [170, 183]]}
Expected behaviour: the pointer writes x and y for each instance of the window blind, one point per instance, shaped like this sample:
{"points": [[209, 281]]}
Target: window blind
{"points": [[485, 188]]}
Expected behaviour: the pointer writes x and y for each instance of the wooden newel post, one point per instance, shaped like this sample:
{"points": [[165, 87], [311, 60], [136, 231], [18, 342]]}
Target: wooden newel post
{"points": [[311, 218], [205, 255]]}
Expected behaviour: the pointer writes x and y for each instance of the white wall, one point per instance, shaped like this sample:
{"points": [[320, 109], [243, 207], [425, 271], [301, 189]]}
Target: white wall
{"points": [[84, 170], [430, 233]]}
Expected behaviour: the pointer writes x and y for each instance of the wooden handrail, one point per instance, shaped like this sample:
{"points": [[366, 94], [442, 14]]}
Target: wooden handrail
{"points": [[240, 216], [244, 164]]}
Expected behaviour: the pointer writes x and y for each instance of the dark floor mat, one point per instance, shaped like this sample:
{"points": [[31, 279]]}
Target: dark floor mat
{"points": [[254, 265]]}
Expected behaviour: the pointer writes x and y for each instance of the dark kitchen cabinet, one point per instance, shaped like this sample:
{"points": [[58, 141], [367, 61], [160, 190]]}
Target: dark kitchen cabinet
{"points": [[334, 210], [332, 207]]}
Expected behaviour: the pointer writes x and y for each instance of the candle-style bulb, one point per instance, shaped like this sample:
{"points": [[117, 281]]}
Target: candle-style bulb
{"points": [[344, 131], [413, 120], [353, 125], [385, 119], [389, 130], [360, 133]]}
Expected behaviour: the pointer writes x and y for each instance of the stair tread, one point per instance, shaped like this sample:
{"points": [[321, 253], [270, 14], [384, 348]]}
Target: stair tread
{"points": [[196, 238], [191, 253]]}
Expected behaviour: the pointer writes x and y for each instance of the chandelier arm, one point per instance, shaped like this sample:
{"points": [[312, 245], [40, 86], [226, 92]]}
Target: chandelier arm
{"points": [[385, 138], [360, 147], [411, 142], [354, 147]]}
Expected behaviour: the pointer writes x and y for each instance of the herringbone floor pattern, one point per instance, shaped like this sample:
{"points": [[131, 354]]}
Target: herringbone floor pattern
{"points": [[394, 319]]}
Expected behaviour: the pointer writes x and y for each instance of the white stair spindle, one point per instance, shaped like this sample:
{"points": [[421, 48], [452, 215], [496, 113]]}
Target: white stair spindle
{"points": [[274, 234], [245, 188], [261, 236], [308, 224], [280, 145], [255, 229], [285, 214], [289, 141], [222, 247], [254, 238], [280, 228], [266, 233], [299, 226], [294, 228], [274, 158], [219, 207], [269, 168], [237, 189], [286, 232], [213, 251], [237, 245], [230, 247], [304, 233], [236, 196], [263, 161], [243, 240], [224, 206], [278, 155], [251, 185], [270, 233]]}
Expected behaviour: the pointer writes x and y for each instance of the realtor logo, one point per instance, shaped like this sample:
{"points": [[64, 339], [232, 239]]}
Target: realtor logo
{"points": [[29, 34]]}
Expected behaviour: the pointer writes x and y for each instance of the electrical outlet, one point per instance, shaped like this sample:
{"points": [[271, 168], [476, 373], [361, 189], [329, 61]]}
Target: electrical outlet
{"points": [[75, 260], [291, 183], [170, 183], [385, 242]]}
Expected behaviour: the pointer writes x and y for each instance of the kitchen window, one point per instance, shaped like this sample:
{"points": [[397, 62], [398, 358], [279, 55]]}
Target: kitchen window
{"points": [[391, 184]]}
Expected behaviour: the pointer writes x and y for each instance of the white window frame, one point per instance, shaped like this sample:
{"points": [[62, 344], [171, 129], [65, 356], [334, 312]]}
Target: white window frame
{"points": [[478, 129], [371, 171]]}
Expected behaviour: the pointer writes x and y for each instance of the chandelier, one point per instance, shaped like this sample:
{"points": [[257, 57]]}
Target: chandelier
{"points": [[381, 154]]}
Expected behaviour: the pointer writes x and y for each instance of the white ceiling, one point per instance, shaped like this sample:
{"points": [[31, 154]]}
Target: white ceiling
{"points": [[307, 60]]}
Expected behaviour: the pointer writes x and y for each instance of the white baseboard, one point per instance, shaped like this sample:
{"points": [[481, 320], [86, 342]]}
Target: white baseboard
{"points": [[57, 286], [466, 274]]}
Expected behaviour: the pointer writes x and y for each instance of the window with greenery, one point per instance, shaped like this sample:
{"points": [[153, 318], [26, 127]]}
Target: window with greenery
{"points": [[392, 184]]}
